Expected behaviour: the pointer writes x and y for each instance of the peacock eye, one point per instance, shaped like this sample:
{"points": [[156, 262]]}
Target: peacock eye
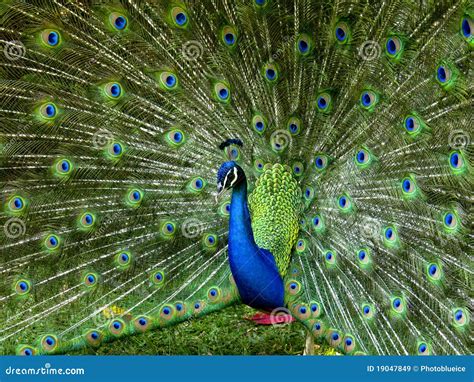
{"points": [[321, 161], [86, 220], [51, 38], [134, 197], [16, 204], [413, 124], [344, 203], [51, 242], [118, 21], [62, 167], [22, 287], [368, 311], [368, 99], [210, 241], [398, 304], [197, 184], [90, 279], [408, 186], [229, 36], [113, 90], [323, 102], [260, 3], [443, 73], [304, 45], [123, 259], [168, 229], [48, 110], [394, 47], [450, 221], [330, 258], [456, 162], [168, 80], [298, 168], [342, 32], [309, 193], [364, 257], [270, 73], [157, 278], [258, 165], [467, 25], [259, 123], [179, 17], [460, 317], [294, 125], [390, 235], [26, 350], [49, 342], [222, 92], [434, 271], [363, 158]]}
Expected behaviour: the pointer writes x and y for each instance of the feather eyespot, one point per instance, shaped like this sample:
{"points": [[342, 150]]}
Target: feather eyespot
{"points": [[157, 278], [113, 90], [318, 223], [123, 259], [368, 311], [175, 138], [398, 305], [394, 47], [330, 258], [423, 348], [16, 204], [222, 92], [86, 221], [168, 80], [118, 21], [466, 28], [324, 102], [90, 279], [460, 317], [179, 16], [52, 242], [368, 100], [304, 45], [229, 36], [49, 343], [301, 245], [259, 123], [344, 203], [48, 110], [434, 271], [22, 287], [457, 162], [134, 197], [63, 167], [270, 73], [321, 161], [390, 236], [51, 38], [116, 327], [294, 125], [25, 350], [342, 32]]}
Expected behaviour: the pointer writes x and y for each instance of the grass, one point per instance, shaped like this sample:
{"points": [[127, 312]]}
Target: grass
{"points": [[221, 333]]}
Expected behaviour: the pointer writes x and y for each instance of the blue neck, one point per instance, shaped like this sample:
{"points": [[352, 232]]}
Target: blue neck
{"points": [[254, 269]]}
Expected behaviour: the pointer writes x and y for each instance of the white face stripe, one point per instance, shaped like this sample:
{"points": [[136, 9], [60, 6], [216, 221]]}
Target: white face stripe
{"points": [[235, 177]]}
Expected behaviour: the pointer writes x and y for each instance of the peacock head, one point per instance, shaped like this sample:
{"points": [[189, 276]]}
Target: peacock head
{"points": [[230, 174]]}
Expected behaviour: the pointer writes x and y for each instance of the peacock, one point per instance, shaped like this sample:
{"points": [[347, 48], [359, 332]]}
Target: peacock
{"points": [[163, 160]]}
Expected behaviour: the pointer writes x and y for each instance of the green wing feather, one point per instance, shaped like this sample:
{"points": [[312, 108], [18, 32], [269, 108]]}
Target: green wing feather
{"points": [[275, 207]]}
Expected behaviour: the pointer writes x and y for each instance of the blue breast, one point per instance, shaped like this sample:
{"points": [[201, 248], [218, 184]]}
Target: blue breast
{"points": [[254, 269]]}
